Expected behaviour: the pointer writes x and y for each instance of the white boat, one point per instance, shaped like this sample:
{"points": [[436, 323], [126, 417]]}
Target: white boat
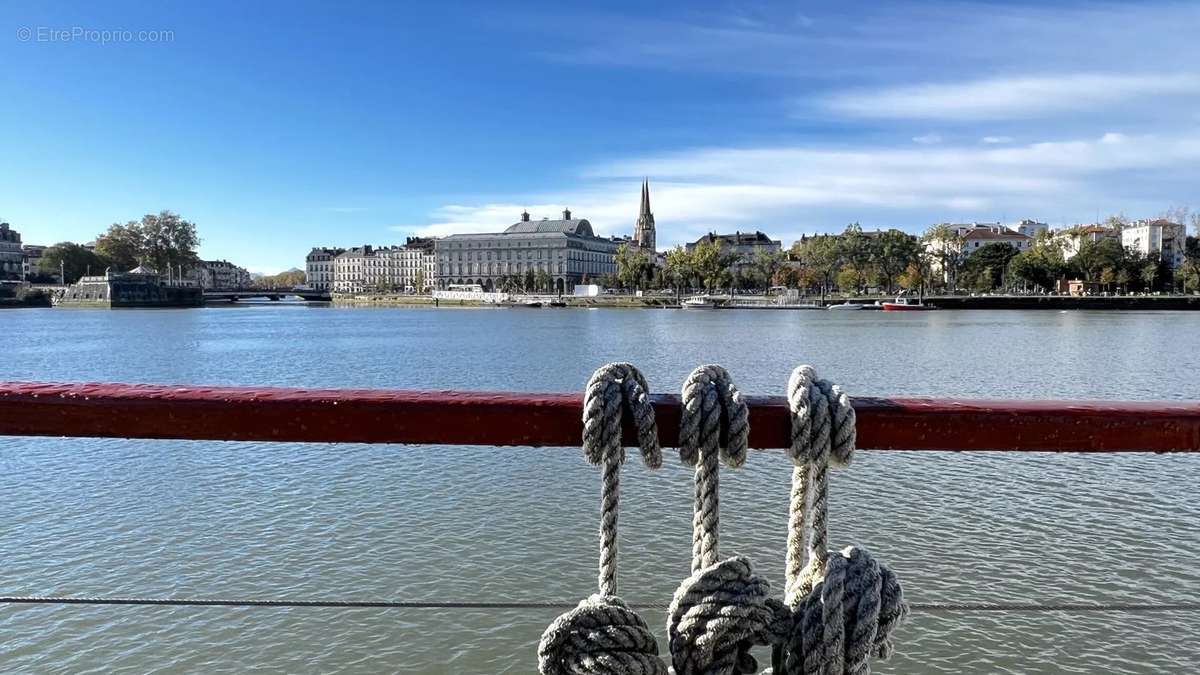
{"points": [[846, 306], [700, 302]]}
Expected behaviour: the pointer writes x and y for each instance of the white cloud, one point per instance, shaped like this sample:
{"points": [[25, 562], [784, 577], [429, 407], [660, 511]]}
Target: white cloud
{"points": [[928, 139], [1011, 97], [788, 190], [996, 140]]}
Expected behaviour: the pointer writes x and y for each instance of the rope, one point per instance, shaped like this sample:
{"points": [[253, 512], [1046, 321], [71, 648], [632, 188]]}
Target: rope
{"points": [[845, 605], [603, 635], [723, 609], [936, 607]]}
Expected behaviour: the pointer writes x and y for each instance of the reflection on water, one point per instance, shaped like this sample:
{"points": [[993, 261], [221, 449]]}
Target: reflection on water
{"points": [[424, 523]]}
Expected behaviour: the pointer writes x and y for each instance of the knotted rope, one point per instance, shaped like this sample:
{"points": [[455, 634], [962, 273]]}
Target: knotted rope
{"points": [[603, 636], [845, 605], [723, 608]]}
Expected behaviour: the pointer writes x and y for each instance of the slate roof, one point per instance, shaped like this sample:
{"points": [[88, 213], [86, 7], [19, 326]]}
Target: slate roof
{"points": [[578, 226]]}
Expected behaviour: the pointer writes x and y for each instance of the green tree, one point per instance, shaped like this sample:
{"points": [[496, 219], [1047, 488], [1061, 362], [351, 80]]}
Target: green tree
{"points": [[633, 266], [528, 281], [171, 241], [821, 257], [893, 252], [713, 264], [765, 265], [679, 268], [542, 280], [159, 241], [419, 282], [986, 265], [123, 245], [944, 248], [71, 260]]}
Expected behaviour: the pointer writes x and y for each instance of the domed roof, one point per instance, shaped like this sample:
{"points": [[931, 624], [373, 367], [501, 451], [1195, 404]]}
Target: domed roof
{"points": [[574, 226]]}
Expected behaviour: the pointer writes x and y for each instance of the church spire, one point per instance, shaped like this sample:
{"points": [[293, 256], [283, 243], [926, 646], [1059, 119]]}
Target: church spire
{"points": [[643, 232]]}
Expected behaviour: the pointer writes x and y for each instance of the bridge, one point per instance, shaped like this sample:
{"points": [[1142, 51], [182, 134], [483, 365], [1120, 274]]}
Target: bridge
{"points": [[272, 294]]}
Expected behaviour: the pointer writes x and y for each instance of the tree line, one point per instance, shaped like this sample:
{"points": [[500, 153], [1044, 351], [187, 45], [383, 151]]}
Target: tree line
{"points": [[162, 241], [855, 262]]}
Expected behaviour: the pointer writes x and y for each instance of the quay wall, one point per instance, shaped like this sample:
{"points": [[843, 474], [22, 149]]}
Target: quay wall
{"points": [[1061, 302]]}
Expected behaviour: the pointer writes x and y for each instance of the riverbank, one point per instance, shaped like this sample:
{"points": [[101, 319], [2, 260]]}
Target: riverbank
{"points": [[390, 300], [949, 302]]}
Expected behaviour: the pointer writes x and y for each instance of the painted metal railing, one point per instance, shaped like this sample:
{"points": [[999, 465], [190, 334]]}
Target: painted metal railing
{"points": [[531, 419]]}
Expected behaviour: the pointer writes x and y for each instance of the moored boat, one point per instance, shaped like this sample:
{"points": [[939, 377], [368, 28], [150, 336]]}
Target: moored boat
{"points": [[846, 306], [903, 304], [700, 302]]}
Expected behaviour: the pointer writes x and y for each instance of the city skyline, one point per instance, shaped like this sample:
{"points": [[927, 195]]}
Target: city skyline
{"points": [[274, 136]]}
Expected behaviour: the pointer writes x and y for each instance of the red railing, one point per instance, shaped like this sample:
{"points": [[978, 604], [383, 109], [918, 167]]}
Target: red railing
{"points": [[519, 419]]}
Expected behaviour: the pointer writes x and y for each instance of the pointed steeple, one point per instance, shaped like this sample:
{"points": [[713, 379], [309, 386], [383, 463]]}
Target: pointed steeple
{"points": [[643, 232]]}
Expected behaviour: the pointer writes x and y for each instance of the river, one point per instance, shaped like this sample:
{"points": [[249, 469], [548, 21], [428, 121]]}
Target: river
{"points": [[202, 519]]}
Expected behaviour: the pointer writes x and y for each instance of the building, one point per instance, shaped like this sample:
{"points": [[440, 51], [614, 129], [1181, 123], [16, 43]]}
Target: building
{"points": [[565, 251], [404, 269], [1158, 237], [643, 231], [318, 267], [32, 260], [1030, 228], [1073, 238], [139, 287], [12, 259], [349, 269], [746, 245], [971, 238], [977, 236], [219, 274]]}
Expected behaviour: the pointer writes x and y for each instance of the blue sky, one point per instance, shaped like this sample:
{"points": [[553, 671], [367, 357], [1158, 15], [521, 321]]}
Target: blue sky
{"points": [[279, 126]]}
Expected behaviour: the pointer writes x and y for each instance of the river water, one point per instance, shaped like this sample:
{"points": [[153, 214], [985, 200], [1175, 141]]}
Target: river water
{"points": [[200, 519]]}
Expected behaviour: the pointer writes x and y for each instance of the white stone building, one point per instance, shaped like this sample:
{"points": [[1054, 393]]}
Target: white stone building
{"points": [[318, 267], [565, 251], [1162, 237], [392, 269]]}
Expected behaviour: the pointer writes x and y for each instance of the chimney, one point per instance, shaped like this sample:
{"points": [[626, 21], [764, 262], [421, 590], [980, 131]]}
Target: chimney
{"points": [[524, 216], [566, 214]]}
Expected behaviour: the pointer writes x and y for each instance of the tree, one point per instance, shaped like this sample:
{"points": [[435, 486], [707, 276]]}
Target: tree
{"points": [[944, 247], [893, 252], [713, 264], [820, 256], [528, 281], [986, 266], [542, 280], [288, 279], [419, 281], [766, 265], [914, 277], [123, 245], [71, 260], [633, 266], [679, 268], [164, 241], [170, 241]]}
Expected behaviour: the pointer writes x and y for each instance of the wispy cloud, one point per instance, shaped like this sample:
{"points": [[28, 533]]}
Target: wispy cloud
{"points": [[996, 140], [1012, 97], [928, 139], [790, 190]]}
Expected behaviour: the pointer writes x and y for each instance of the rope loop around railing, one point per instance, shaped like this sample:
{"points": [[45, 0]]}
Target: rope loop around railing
{"points": [[603, 636], [724, 608], [845, 604]]}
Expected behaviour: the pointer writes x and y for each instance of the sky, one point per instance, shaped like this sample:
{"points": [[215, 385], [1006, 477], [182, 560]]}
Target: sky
{"points": [[279, 126]]}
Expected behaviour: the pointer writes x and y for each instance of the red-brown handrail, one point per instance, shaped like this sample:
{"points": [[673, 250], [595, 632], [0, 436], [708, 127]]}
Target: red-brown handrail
{"points": [[519, 419]]}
